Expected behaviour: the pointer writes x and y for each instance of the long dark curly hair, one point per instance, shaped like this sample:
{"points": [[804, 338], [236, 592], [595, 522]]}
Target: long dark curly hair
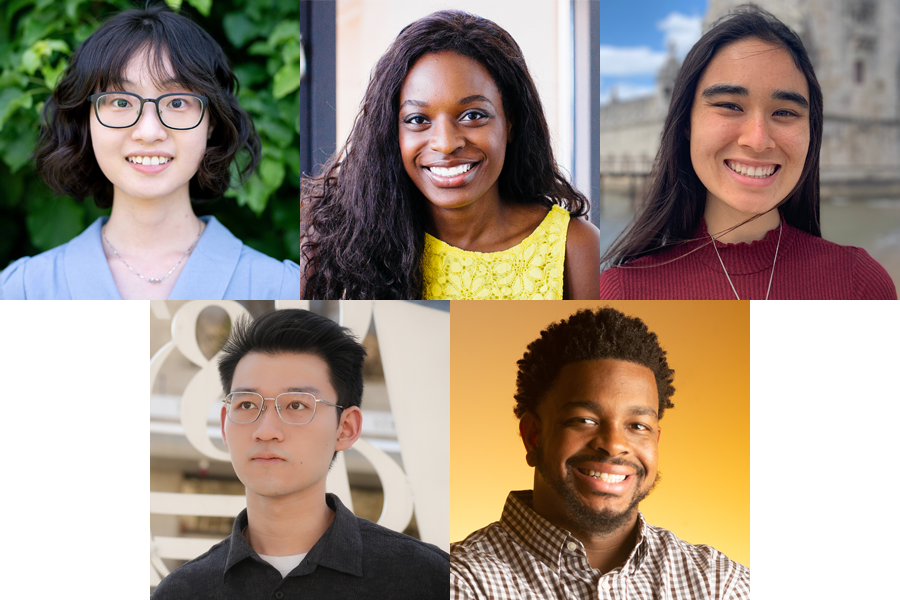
{"points": [[363, 218], [676, 198]]}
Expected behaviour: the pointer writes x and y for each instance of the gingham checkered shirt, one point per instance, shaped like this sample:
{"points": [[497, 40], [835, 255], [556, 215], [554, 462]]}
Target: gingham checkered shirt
{"points": [[524, 557]]}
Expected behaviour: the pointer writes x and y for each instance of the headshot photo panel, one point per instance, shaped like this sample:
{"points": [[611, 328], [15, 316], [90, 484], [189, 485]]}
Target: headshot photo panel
{"points": [[289, 453], [587, 446], [750, 150]]}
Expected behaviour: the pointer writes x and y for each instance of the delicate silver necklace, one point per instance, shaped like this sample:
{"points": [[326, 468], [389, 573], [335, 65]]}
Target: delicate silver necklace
{"points": [[153, 279], [777, 246]]}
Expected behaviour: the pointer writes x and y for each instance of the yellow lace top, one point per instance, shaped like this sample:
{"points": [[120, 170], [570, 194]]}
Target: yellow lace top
{"points": [[533, 269]]}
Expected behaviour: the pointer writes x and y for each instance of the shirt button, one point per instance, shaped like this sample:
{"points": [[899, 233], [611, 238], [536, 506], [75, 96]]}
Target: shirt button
{"points": [[279, 595], [571, 546], [605, 585]]}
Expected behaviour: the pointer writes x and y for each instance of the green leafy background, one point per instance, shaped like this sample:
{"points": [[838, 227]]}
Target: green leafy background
{"points": [[263, 41]]}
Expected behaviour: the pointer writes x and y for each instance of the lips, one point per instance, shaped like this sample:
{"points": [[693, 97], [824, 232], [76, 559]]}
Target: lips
{"points": [[267, 457], [451, 174]]}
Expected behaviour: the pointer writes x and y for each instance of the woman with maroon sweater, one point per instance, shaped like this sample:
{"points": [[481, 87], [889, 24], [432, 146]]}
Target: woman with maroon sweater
{"points": [[732, 209]]}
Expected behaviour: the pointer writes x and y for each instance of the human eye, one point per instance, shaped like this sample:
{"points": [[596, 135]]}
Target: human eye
{"points": [[580, 420], [474, 115], [244, 402], [415, 120], [641, 427], [179, 102], [785, 113], [731, 106], [118, 101]]}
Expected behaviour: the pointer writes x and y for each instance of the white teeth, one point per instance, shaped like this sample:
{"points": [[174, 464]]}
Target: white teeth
{"points": [[451, 172], [148, 160], [604, 476], [748, 171]]}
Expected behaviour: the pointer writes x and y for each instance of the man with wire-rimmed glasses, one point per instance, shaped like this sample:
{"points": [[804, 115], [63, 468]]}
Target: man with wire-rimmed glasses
{"points": [[293, 383]]}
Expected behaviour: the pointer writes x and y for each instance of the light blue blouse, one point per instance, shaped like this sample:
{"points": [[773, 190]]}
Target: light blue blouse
{"points": [[221, 267]]}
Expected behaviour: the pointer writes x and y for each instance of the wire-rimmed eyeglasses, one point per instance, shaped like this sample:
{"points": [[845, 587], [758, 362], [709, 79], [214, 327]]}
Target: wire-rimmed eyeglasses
{"points": [[120, 110], [294, 408]]}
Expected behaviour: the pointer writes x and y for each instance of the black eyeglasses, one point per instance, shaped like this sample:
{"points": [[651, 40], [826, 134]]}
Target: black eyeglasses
{"points": [[120, 110]]}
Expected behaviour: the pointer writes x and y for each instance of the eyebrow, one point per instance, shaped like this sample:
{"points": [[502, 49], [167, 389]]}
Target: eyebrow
{"points": [[463, 101], [594, 406], [722, 89]]}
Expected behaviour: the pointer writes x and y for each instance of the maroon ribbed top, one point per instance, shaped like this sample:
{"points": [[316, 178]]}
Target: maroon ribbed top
{"points": [[808, 268]]}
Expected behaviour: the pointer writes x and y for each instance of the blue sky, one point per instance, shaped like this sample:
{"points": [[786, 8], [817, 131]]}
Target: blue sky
{"points": [[634, 36]]}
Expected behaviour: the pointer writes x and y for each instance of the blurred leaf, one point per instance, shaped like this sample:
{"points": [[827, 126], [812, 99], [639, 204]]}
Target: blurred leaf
{"points": [[239, 29], [253, 195], [52, 74], [287, 80], [10, 100], [292, 52], [285, 31], [203, 6], [54, 221], [275, 130], [250, 75], [272, 173], [17, 145], [260, 49], [293, 160], [174, 4], [31, 61]]}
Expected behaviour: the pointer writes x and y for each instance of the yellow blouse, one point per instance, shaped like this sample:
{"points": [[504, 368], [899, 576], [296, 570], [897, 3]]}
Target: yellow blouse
{"points": [[533, 269]]}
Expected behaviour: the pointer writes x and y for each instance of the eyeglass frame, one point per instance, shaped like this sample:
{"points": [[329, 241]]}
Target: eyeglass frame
{"points": [[204, 102], [262, 407]]}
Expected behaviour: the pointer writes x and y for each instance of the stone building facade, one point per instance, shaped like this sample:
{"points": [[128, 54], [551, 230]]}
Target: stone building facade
{"points": [[855, 50]]}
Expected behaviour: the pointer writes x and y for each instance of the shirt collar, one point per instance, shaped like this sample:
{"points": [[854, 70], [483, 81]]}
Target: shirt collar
{"points": [[339, 548], [547, 542], [206, 274]]}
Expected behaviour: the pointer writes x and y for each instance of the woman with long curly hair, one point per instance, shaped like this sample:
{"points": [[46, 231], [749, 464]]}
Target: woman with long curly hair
{"points": [[145, 120], [447, 186], [732, 208]]}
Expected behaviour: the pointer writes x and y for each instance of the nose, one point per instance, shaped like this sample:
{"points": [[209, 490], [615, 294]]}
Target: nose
{"points": [[610, 439], [446, 137], [149, 128], [755, 133], [269, 425]]}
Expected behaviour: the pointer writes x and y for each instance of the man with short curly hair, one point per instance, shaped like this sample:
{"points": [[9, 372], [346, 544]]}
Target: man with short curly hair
{"points": [[590, 393]]}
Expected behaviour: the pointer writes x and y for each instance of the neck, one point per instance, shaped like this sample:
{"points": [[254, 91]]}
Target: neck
{"points": [[720, 218], [606, 549], [287, 525], [151, 227], [468, 227]]}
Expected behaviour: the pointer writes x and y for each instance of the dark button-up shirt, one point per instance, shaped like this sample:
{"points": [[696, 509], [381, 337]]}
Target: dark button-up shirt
{"points": [[354, 558], [524, 557]]}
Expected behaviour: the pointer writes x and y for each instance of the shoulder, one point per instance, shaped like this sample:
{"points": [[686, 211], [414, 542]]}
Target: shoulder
{"points": [[40, 277], [584, 247], [386, 543], [483, 561], [678, 559], [868, 279], [202, 573]]}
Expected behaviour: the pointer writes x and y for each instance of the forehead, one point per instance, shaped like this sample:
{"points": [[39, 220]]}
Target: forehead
{"points": [[447, 75], [275, 373], [759, 66], [611, 385], [146, 68]]}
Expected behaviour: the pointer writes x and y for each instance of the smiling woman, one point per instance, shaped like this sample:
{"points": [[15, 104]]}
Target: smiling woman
{"points": [[447, 187], [145, 120], [732, 208]]}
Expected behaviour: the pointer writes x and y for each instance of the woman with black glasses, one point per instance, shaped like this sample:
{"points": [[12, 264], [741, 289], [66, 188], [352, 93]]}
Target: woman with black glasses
{"points": [[145, 120]]}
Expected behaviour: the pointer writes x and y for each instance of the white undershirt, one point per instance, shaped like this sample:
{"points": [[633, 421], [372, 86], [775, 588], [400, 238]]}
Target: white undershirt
{"points": [[284, 564]]}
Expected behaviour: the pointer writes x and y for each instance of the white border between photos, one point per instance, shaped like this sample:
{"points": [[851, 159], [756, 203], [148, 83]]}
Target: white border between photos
{"points": [[824, 400], [75, 487]]}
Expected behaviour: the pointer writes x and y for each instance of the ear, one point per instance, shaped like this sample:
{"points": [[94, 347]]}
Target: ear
{"points": [[224, 439], [509, 131], [530, 430], [658, 434], [349, 428]]}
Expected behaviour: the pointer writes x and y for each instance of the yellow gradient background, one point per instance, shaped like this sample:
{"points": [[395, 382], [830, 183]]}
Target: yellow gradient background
{"points": [[704, 452]]}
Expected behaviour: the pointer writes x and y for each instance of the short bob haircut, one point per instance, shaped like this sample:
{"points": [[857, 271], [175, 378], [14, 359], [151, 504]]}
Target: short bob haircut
{"points": [[296, 331], [64, 157], [364, 218], [675, 199], [590, 335]]}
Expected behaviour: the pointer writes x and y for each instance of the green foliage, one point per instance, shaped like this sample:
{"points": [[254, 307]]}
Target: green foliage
{"points": [[263, 41]]}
